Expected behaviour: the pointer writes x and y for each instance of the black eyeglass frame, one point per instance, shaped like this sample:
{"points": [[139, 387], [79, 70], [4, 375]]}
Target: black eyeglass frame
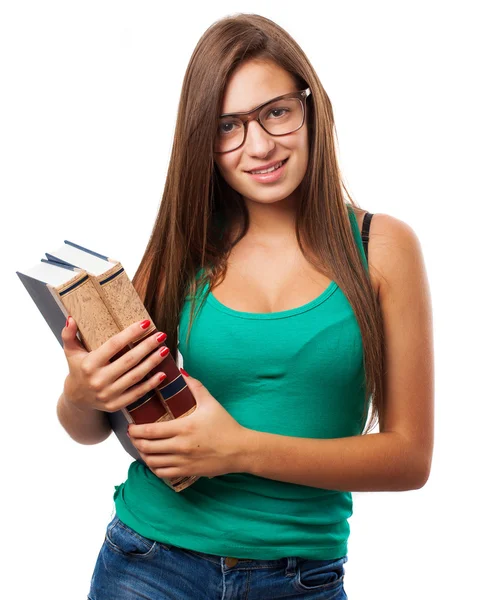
{"points": [[253, 115]]}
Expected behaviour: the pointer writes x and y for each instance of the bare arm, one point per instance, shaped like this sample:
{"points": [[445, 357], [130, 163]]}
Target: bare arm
{"points": [[371, 463], [90, 426]]}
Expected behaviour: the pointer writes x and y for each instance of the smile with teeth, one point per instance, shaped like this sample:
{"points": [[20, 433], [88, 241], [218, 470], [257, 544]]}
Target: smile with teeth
{"points": [[277, 166]]}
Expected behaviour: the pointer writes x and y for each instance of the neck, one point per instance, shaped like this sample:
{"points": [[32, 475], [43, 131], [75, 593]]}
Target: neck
{"points": [[272, 224]]}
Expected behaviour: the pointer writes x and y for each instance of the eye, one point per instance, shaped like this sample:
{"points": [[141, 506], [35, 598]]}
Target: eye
{"points": [[278, 110], [225, 127], [228, 127]]}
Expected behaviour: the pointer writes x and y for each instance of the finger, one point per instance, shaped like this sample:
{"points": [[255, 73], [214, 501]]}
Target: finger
{"points": [[151, 431], [133, 393], [135, 364], [162, 460], [157, 447], [119, 343], [71, 343], [168, 473], [158, 461]]}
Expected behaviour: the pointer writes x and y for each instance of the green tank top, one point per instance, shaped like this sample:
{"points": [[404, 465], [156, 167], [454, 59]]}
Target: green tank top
{"points": [[297, 372]]}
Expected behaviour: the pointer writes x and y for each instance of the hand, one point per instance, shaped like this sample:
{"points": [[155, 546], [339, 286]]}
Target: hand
{"points": [[93, 382], [207, 443]]}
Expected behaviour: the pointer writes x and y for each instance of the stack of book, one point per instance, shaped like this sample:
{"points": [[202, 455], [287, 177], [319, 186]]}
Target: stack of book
{"points": [[96, 291]]}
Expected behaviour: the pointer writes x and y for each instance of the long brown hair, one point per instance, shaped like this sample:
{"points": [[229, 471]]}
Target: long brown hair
{"points": [[190, 232]]}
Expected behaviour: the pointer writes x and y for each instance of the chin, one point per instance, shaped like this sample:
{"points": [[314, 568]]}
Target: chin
{"points": [[269, 196]]}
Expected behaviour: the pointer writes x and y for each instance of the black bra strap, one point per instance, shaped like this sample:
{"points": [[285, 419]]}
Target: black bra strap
{"points": [[365, 232]]}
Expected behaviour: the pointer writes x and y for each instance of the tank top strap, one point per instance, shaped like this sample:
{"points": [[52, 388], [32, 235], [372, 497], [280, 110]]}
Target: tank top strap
{"points": [[365, 232], [362, 238]]}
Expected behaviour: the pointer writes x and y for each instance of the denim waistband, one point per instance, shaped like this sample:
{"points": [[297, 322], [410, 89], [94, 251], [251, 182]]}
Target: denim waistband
{"points": [[289, 563], [231, 562]]}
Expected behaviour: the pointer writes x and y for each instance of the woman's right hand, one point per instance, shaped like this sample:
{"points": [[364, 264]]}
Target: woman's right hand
{"points": [[95, 383]]}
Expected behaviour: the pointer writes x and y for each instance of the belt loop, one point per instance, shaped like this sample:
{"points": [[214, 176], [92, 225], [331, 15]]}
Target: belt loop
{"points": [[290, 571]]}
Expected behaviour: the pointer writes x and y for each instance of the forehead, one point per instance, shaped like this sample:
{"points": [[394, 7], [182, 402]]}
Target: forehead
{"points": [[253, 83]]}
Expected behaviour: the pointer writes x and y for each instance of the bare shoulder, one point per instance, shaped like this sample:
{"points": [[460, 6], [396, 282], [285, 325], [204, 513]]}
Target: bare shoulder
{"points": [[393, 248]]}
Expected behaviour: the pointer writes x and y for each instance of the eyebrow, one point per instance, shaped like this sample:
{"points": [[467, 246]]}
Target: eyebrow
{"points": [[245, 112]]}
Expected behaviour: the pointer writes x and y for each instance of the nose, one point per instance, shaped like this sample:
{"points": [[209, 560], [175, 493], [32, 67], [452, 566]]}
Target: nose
{"points": [[258, 142]]}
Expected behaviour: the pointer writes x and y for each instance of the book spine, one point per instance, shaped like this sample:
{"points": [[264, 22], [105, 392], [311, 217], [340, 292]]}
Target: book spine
{"points": [[82, 300], [126, 307]]}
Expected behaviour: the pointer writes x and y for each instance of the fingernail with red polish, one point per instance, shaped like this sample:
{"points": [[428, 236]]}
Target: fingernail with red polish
{"points": [[145, 324], [184, 372], [67, 321]]}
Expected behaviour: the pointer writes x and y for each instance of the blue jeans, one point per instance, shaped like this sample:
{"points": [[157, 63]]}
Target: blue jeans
{"points": [[130, 567]]}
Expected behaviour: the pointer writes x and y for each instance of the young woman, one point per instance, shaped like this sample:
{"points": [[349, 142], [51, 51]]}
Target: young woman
{"points": [[297, 320]]}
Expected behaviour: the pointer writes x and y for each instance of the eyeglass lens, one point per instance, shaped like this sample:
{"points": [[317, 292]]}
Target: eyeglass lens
{"points": [[278, 118]]}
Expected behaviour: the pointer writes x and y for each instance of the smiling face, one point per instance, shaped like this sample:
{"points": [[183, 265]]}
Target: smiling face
{"points": [[252, 84]]}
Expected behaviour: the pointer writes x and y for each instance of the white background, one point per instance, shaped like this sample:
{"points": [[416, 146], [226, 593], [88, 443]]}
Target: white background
{"points": [[89, 94]]}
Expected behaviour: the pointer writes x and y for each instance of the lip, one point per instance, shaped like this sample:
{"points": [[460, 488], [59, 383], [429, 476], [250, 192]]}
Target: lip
{"points": [[267, 166], [270, 177]]}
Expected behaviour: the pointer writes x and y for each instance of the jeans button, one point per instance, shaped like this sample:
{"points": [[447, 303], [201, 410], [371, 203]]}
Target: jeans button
{"points": [[231, 562]]}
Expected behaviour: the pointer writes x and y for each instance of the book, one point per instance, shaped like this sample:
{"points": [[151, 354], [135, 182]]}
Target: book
{"points": [[96, 291]]}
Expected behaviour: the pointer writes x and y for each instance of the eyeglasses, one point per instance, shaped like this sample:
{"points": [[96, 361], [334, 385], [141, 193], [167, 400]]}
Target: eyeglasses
{"points": [[280, 116]]}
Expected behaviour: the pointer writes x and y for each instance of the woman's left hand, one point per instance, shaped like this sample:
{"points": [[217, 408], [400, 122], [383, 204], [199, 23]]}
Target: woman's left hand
{"points": [[208, 442]]}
